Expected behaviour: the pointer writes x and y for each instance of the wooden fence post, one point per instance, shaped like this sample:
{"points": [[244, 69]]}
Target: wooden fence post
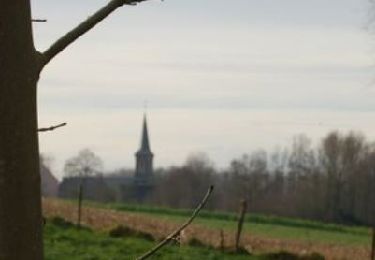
{"points": [[79, 204], [222, 242], [241, 218]]}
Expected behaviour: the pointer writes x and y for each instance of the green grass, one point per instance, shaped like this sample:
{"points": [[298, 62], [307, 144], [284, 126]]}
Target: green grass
{"points": [[283, 232], [251, 218], [260, 225], [66, 242]]}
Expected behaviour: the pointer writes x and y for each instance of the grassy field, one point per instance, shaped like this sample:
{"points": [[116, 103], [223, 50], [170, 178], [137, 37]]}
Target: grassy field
{"points": [[260, 225], [66, 242], [263, 234]]}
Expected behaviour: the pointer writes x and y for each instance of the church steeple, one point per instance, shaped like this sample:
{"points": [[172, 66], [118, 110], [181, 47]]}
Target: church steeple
{"points": [[144, 156], [145, 144]]}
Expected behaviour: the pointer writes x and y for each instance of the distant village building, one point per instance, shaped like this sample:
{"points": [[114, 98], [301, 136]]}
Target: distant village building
{"points": [[125, 185], [49, 184], [94, 188]]}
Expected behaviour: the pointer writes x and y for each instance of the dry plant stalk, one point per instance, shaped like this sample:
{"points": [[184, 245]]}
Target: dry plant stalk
{"points": [[178, 230]]}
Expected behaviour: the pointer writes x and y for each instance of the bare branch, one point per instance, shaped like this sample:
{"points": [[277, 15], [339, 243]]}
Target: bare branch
{"points": [[51, 128], [82, 28], [39, 20], [178, 230]]}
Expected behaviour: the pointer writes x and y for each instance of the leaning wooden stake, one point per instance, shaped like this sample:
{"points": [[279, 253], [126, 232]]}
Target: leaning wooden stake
{"points": [[79, 204], [222, 242], [373, 244], [241, 218], [178, 230]]}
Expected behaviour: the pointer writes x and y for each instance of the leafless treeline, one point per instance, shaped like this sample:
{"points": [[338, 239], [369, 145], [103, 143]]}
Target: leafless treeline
{"points": [[334, 181]]}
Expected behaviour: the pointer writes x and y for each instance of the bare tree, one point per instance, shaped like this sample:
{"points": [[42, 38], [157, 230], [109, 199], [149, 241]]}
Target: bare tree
{"points": [[301, 157], [301, 166], [85, 164], [249, 178], [181, 186], [20, 67], [341, 159]]}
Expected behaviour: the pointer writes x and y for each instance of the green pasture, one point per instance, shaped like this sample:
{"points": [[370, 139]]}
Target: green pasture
{"points": [[67, 242], [281, 231], [259, 225]]}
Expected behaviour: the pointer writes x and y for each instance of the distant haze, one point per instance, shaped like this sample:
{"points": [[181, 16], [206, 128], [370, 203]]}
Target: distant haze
{"points": [[221, 77]]}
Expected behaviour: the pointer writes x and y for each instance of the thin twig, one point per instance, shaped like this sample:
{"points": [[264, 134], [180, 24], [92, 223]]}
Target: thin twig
{"points": [[51, 128], [178, 230], [82, 28], [39, 20]]}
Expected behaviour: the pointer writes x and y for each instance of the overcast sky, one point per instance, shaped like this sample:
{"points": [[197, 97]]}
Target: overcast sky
{"points": [[221, 77]]}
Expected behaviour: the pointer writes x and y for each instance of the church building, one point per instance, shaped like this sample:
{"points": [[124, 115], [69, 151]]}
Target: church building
{"points": [[143, 178], [134, 185]]}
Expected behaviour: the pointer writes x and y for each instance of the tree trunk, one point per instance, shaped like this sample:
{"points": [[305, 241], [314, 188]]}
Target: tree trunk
{"points": [[373, 244], [20, 200]]}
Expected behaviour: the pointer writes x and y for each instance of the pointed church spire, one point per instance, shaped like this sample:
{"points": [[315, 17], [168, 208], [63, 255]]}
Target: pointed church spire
{"points": [[145, 145], [144, 165]]}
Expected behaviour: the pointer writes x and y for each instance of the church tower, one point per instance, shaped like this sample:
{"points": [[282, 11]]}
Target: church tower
{"points": [[143, 168]]}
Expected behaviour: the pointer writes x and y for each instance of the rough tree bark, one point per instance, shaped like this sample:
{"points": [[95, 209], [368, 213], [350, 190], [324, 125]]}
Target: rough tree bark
{"points": [[373, 244], [20, 203], [20, 66]]}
